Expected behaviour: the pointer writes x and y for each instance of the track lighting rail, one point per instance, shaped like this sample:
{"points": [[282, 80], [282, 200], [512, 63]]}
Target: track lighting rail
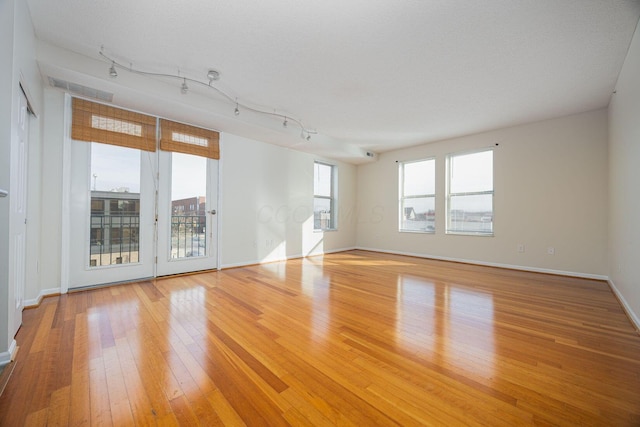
{"points": [[212, 75]]}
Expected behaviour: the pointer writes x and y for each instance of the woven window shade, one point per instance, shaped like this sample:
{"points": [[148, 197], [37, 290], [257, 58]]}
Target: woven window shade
{"points": [[189, 139], [93, 122]]}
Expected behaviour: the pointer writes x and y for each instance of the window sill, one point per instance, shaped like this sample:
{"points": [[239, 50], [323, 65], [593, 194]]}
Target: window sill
{"points": [[322, 230], [469, 233], [418, 231]]}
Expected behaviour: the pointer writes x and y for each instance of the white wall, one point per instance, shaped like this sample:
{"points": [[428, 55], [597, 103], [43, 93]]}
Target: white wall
{"points": [[17, 62], [624, 179], [51, 193], [266, 208], [550, 185]]}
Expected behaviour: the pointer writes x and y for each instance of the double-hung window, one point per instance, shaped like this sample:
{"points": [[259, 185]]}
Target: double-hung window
{"points": [[417, 195], [470, 193], [324, 196]]}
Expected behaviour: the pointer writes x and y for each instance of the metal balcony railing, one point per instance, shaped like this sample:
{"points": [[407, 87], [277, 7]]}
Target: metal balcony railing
{"points": [[188, 236], [114, 239]]}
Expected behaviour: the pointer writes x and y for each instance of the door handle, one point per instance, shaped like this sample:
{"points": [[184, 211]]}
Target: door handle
{"points": [[213, 212]]}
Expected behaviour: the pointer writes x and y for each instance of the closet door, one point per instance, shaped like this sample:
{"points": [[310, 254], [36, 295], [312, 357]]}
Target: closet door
{"points": [[18, 215]]}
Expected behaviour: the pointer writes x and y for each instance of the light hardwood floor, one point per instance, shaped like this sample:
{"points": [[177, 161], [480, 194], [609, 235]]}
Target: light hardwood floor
{"points": [[355, 338]]}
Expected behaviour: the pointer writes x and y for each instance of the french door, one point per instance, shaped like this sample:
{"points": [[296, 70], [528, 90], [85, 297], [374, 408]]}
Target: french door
{"points": [[186, 213], [136, 214]]}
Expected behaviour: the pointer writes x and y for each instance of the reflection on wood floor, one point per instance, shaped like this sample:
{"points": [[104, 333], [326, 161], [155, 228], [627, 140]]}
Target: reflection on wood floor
{"points": [[355, 338]]}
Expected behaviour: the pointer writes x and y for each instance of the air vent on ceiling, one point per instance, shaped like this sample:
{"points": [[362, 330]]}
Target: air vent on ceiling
{"points": [[80, 90]]}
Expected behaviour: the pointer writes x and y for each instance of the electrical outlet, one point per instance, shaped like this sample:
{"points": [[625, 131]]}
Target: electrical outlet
{"points": [[551, 250], [520, 248]]}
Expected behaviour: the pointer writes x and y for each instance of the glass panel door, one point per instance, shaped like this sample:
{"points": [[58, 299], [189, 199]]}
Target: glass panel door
{"points": [[188, 206], [111, 214], [186, 213]]}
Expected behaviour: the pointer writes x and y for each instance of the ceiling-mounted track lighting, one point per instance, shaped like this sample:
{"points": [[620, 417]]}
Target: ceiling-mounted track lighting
{"points": [[112, 71], [212, 76]]}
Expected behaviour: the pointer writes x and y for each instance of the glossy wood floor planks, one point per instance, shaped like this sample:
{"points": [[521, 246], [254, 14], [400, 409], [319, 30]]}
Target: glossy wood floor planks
{"points": [[355, 338]]}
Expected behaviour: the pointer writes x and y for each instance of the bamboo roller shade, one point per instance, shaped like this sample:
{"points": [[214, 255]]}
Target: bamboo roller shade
{"points": [[95, 122], [189, 139]]}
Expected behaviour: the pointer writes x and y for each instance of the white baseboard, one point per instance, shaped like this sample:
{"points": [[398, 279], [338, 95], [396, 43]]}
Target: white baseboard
{"points": [[7, 356], [630, 313], [492, 264], [257, 262], [288, 257], [36, 301], [333, 251]]}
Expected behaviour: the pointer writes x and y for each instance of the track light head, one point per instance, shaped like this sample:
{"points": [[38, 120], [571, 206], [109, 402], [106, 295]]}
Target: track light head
{"points": [[112, 71], [236, 111], [184, 88], [213, 75], [308, 137], [285, 123]]}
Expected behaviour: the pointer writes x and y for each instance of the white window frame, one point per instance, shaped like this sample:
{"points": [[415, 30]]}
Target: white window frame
{"points": [[450, 194], [333, 199], [402, 197]]}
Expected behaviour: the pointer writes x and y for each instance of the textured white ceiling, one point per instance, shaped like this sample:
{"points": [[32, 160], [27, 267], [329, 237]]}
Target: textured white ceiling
{"points": [[373, 74]]}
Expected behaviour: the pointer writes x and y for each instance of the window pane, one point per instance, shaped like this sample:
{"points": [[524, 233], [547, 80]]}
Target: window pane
{"points": [[322, 180], [115, 205], [472, 214], [418, 214], [324, 213], [419, 178], [188, 205], [322, 218], [115, 125], [472, 172], [189, 139]]}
